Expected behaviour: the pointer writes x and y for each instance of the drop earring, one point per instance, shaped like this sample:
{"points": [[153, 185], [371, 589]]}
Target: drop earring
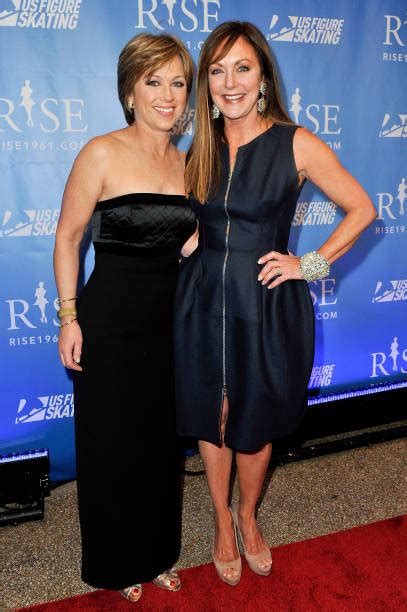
{"points": [[215, 112], [130, 106], [261, 102]]}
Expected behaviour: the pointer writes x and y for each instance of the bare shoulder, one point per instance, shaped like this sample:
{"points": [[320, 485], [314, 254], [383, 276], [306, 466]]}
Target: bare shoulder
{"points": [[98, 148], [310, 150], [305, 141], [93, 161]]}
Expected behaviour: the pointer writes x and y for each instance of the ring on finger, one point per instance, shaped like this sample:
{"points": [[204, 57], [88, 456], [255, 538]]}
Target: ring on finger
{"points": [[278, 272]]}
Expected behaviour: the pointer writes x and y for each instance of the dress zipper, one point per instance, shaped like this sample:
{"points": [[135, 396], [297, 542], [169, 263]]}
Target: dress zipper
{"points": [[224, 385]]}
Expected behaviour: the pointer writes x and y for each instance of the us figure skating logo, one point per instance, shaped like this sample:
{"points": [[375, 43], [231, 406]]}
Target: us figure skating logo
{"points": [[390, 291], [306, 29], [18, 224], [314, 213], [321, 376], [185, 124], [394, 126], [9, 11], [40, 14], [24, 223], [45, 408], [32, 411]]}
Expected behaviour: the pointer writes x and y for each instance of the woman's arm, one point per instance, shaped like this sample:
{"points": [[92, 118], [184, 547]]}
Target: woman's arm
{"points": [[322, 167], [319, 164], [191, 244], [82, 191]]}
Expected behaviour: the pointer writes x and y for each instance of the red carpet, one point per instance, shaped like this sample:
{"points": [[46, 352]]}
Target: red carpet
{"points": [[360, 569]]}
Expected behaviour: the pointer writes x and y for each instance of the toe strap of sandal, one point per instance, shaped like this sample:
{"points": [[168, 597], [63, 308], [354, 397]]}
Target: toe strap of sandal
{"points": [[135, 589], [168, 580]]}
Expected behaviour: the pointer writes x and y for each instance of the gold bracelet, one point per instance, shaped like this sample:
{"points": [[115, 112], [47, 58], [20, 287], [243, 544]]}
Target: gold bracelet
{"points": [[67, 322], [63, 312], [61, 301]]}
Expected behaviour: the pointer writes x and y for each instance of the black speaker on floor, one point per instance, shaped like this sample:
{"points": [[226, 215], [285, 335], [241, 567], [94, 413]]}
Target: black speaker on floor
{"points": [[24, 483]]}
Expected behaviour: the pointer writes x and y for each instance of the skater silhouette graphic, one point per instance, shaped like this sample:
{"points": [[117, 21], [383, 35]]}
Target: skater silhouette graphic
{"points": [[296, 107], [27, 102], [394, 353], [402, 194], [41, 301], [170, 7]]}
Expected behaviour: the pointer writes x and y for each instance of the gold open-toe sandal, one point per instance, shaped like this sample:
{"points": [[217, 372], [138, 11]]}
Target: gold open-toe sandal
{"points": [[168, 580], [132, 593]]}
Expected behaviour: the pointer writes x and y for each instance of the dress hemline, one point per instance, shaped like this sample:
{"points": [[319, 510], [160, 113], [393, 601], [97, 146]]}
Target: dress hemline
{"points": [[140, 579]]}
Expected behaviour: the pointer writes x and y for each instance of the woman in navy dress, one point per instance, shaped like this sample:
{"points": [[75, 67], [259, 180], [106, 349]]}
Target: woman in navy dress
{"points": [[118, 339], [245, 322]]}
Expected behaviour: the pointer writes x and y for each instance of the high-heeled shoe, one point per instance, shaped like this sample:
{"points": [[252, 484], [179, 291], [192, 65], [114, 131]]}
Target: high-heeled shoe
{"points": [[168, 580], [132, 593], [260, 563], [221, 566]]}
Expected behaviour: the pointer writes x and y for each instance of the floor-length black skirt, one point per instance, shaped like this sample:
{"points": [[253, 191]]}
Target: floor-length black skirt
{"points": [[127, 463]]}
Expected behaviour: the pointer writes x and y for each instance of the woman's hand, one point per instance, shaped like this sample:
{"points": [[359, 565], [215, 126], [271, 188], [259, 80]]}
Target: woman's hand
{"points": [[70, 346], [278, 267]]}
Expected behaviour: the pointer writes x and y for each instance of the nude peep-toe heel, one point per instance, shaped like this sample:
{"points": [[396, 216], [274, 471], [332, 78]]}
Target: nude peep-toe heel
{"points": [[260, 563], [236, 564]]}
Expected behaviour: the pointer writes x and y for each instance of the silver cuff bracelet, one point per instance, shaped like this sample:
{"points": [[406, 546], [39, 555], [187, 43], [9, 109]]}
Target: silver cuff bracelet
{"points": [[313, 266]]}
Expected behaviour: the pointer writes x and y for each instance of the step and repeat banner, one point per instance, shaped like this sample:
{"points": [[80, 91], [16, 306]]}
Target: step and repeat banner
{"points": [[343, 69]]}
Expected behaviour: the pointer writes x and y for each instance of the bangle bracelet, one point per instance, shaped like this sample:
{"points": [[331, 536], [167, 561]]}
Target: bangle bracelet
{"points": [[61, 301], [313, 266], [63, 312], [67, 322]]}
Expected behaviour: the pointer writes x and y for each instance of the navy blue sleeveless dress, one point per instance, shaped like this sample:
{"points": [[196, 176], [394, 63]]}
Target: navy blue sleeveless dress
{"points": [[232, 334], [127, 470]]}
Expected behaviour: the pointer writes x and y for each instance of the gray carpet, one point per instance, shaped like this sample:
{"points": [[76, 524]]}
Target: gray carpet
{"points": [[39, 561]]}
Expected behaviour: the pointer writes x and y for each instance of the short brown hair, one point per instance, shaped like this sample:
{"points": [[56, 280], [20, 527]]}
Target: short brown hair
{"points": [[203, 161], [142, 55]]}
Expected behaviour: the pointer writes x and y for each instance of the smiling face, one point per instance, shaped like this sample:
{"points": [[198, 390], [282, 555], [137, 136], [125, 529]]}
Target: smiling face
{"points": [[159, 99], [234, 81]]}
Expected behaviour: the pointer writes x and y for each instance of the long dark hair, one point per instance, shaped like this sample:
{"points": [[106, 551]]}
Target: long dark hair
{"points": [[203, 163]]}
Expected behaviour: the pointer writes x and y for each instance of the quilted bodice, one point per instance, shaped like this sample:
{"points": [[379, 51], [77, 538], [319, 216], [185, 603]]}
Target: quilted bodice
{"points": [[147, 221]]}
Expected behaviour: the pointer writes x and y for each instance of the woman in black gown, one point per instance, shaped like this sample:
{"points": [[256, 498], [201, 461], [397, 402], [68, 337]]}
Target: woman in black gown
{"points": [[245, 323], [118, 338]]}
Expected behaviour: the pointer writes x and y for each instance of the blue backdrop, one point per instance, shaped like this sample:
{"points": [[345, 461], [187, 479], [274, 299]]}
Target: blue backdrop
{"points": [[342, 66]]}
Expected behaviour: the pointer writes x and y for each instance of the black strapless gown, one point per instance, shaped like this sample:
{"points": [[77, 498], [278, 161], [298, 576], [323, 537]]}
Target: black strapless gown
{"points": [[127, 467]]}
